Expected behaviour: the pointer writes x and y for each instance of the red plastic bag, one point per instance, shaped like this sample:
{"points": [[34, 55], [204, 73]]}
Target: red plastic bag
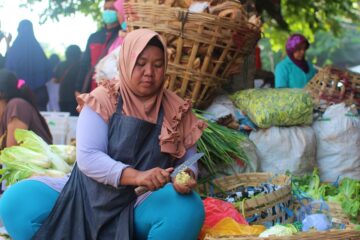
{"points": [[216, 210]]}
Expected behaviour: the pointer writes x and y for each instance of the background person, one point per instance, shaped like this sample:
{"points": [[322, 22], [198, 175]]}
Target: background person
{"points": [[28, 61], [52, 86], [66, 74], [97, 47], [294, 71], [7, 42], [18, 110]]}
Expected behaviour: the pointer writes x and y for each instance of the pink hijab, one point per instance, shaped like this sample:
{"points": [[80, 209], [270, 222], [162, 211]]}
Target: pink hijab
{"points": [[180, 129]]}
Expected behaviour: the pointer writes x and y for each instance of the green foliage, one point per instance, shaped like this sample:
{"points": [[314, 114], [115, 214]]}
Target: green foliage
{"points": [[308, 17], [326, 48], [321, 21], [56, 8]]}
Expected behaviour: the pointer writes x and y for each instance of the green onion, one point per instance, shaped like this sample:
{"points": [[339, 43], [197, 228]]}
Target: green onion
{"points": [[221, 145]]}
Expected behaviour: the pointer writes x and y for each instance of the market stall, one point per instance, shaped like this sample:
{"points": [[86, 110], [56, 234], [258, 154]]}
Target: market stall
{"points": [[257, 177]]}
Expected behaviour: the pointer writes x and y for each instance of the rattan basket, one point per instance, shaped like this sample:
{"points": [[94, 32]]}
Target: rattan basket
{"points": [[203, 53], [258, 204], [326, 235], [333, 85]]}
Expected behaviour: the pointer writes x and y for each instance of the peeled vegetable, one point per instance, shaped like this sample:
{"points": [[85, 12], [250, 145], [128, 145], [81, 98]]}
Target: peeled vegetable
{"points": [[182, 178]]}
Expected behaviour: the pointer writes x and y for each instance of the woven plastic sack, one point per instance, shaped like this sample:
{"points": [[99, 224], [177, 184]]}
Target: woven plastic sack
{"points": [[338, 143], [275, 107], [297, 153]]}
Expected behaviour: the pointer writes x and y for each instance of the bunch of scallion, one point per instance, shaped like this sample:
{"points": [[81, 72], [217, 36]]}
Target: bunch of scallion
{"points": [[221, 145]]}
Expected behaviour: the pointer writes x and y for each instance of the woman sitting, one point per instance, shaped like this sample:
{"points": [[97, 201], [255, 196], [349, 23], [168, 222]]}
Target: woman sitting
{"points": [[18, 110], [130, 133]]}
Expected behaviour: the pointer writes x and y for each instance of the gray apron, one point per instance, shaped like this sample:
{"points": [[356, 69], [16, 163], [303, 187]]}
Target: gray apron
{"points": [[89, 210]]}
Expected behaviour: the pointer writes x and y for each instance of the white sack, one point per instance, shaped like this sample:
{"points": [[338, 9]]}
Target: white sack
{"points": [[338, 143], [220, 107], [282, 149]]}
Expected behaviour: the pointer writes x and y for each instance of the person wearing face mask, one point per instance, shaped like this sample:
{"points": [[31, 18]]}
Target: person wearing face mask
{"points": [[294, 71], [97, 47]]}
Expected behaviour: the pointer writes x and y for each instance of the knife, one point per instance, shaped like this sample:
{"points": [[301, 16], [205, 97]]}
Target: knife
{"points": [[188, 162]]}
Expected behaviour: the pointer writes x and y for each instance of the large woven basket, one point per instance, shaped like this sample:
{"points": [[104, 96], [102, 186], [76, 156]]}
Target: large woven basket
{"points": [[333, 85], [326, 235], [203, 52], [258, 204]]}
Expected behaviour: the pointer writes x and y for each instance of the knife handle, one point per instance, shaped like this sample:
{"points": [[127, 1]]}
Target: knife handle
{"points": [[140, 190]]}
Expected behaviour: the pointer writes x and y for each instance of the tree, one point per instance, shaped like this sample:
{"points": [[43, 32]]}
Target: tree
{"points": [[280, 17], [306, 17], [56, 8]]}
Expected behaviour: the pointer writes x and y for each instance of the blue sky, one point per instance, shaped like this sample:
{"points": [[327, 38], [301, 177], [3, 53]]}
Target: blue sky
{"points": [[58, 35]]}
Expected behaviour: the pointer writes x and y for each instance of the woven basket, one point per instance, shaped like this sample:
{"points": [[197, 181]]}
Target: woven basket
{"points": [[203, 52], [261, 203], [332, 85], [327, 235]]}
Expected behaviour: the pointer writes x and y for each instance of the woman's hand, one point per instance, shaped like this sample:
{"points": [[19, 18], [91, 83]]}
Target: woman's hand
{"points": [[154, 178], [185, 188]]}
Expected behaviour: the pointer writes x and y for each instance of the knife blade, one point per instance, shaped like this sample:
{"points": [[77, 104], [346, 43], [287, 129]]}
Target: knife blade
{"points": [[186, 164]]}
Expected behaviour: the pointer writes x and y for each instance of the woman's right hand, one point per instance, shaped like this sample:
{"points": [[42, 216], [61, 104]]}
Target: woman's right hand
{"points": [[154, 178]]}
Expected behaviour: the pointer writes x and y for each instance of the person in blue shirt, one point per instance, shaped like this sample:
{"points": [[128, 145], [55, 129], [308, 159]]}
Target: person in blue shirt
{"points": [[294, 71]]}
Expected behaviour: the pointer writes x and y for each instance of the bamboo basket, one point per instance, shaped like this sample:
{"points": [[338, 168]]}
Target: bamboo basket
{"points": [[332, 85], [326, 235], [261, 203], [202, 54]]}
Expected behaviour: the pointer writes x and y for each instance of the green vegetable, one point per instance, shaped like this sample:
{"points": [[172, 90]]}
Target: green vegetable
{"points": [[66, 152], [279, 230], [275, 107], [30, 140], [20, 163], [347, 194], [15, 154], [34, 157], [221, 145], [349, 197]]}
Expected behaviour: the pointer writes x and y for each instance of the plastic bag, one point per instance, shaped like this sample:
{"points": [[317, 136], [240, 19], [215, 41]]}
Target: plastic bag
{"points": [[216, 210], [319, 221], [315, 214], [275, 107], [229, 226]]}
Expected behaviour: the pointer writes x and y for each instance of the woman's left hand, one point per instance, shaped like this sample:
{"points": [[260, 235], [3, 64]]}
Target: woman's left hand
{"points": [[185, 188]]}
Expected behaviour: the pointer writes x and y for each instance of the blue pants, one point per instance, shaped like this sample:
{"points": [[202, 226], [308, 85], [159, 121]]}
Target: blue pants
{"points": [[26, 205], [166, 214]]}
